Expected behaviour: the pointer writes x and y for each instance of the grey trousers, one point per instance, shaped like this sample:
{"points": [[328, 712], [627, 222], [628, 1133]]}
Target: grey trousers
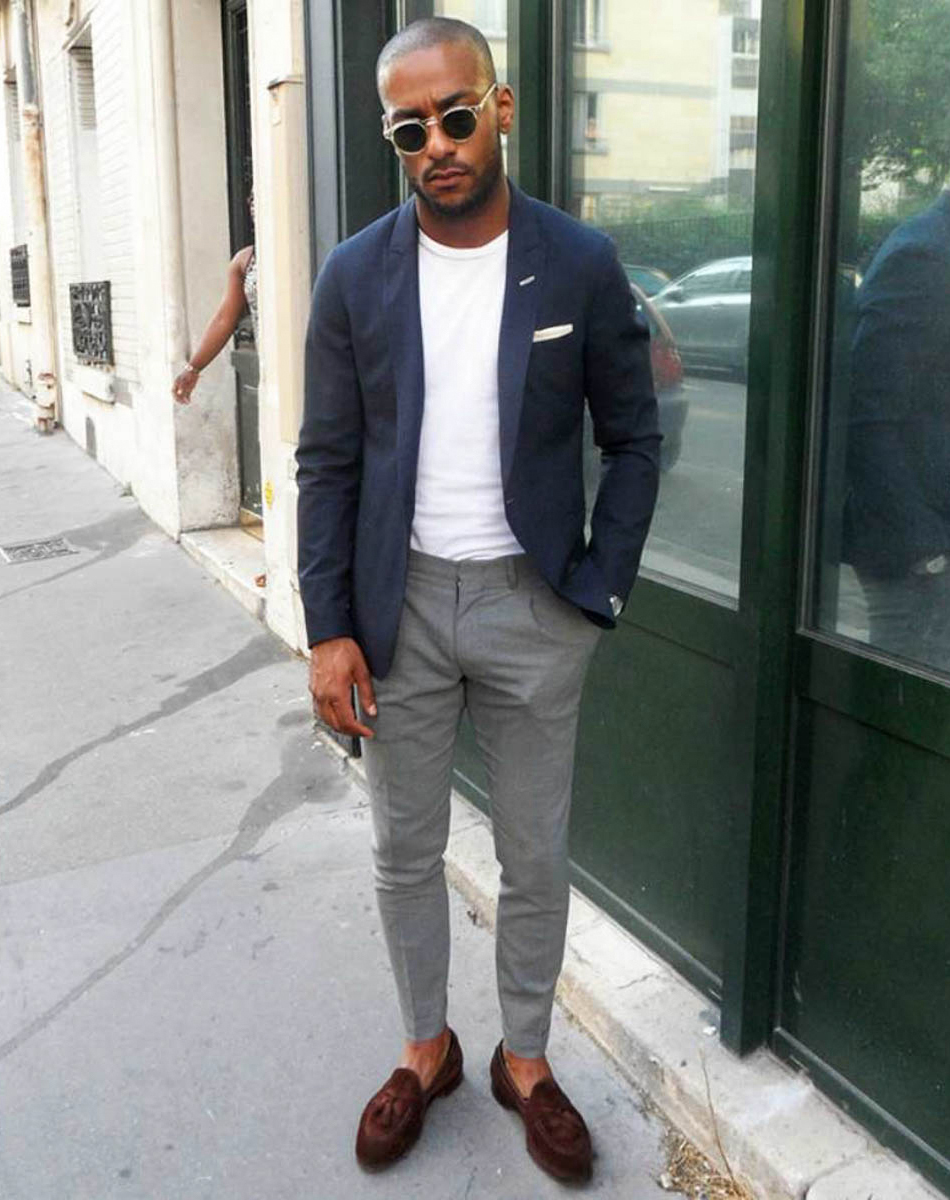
{"points": [[910, 617], [491, 638]]}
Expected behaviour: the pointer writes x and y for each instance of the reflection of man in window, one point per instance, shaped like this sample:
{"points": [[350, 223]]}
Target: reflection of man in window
{"points": [[897, 515]]}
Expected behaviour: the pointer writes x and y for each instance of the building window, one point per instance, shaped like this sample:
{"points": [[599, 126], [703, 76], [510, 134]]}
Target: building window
{"points": [[745, 52], [745, 72], [745, 36], [741, 133], [15, 153], [491, 17], [590, 23], [86, 159], [587, 130]]}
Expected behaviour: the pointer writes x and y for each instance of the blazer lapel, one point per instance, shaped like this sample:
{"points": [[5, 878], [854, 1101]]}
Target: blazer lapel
{"points": [[522, 289], [401, 290]]}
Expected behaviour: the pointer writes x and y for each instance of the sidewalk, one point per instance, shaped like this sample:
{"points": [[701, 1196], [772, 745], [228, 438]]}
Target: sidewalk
{"points": [[195, 1000], [195, 996]]}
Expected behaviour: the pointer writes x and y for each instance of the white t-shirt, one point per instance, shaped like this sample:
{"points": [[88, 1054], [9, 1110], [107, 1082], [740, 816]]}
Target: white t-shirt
{"points": [[460, 505]]}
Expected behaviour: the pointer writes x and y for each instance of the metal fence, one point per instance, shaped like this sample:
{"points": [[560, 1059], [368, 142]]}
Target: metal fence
{"points": [[682, 243]]}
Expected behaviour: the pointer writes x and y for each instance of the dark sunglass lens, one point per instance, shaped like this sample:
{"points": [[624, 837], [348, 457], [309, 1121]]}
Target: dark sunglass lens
{"points": [[409, 138], [459, 125]]}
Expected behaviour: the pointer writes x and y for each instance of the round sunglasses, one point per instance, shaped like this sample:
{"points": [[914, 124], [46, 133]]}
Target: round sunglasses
{"points": [[411, 136]]}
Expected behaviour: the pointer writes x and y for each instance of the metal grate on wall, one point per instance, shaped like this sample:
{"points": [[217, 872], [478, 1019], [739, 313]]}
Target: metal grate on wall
{"points": [[15, 160], [91, 310], [20, 276], [84, 87], [13, 110]]}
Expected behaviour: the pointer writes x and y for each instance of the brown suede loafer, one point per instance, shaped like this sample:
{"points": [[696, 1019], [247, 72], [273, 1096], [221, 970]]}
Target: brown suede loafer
{"points": [[555, 1133], [392, 1121]]}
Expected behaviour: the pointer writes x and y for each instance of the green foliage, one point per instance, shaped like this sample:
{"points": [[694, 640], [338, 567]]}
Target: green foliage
{"points": [[906, 102], [678, 244]]}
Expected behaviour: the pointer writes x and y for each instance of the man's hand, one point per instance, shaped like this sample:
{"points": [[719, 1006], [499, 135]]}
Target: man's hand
{"points": [[335, 666]]}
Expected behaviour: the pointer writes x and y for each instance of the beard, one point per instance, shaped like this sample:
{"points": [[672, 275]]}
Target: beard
{"points": [[477, 198]]}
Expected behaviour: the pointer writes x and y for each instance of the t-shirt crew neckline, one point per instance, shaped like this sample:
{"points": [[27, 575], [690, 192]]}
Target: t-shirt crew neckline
{"points": [[434, 247]]}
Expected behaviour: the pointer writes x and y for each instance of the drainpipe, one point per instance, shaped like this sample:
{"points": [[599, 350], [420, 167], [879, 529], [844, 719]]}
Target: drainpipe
{"points": [[43, 359]]}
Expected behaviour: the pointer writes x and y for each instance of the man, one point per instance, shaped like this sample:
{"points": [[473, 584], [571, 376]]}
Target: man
{"points": [[443, 561], [897, 511]]}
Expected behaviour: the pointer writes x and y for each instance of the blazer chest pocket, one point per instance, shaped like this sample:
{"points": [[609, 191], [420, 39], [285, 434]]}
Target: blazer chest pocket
{"points": [[555, 365]]}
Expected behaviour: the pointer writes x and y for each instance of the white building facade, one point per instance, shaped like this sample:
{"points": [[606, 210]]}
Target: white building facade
{"points": [[116, 229]]}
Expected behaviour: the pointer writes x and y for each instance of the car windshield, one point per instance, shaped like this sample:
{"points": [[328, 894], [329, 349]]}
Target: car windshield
{"points": [[716, 278]]}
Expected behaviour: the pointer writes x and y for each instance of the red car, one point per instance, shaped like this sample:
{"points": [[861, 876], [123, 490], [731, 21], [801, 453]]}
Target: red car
{"points": [[667, 379]]}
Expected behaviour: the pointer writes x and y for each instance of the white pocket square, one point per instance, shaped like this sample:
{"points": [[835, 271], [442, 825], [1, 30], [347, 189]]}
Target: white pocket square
{"points": [[551, 332]]}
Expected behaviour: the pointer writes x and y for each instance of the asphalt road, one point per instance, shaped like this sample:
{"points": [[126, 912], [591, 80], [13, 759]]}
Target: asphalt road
{"points": [[697, 530], [195, 1001], [696, 533]]}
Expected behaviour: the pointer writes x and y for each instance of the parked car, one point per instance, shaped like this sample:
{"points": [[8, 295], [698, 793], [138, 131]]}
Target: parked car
{"points": [[671, 397], [667, 367], [708, 313], [649, 280]]}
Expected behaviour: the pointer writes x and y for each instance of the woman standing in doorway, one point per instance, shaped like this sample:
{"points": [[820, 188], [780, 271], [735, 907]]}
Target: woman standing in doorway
{"points": [[240, 294]]}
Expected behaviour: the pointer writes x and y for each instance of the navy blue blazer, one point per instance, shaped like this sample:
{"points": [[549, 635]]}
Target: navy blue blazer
{"points": [[897, 508], [364, 390]]}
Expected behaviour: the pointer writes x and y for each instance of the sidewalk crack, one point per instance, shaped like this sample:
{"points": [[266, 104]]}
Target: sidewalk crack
{"points": [[291, 789], [260, 651]]}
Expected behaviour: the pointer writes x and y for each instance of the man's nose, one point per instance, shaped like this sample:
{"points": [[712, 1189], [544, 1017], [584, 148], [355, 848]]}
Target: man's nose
{"points": [[440, 144]]}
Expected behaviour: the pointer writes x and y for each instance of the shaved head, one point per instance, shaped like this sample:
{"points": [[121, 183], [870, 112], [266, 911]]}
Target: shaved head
{"points": [[435, 31]]}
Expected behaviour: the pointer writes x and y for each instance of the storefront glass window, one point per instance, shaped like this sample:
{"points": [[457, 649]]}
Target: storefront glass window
{"points": [[883, 512], [663, 147], [489, 16]]}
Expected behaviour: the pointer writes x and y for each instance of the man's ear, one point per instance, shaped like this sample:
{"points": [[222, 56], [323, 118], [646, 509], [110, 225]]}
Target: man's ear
{"points": [[506, 107]]}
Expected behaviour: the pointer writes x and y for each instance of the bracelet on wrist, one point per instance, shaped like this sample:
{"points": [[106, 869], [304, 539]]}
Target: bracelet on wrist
{"points": [[192, 368]]}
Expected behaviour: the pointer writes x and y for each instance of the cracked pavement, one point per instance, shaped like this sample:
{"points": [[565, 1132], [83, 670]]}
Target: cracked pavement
{"points": [[194, 994]]}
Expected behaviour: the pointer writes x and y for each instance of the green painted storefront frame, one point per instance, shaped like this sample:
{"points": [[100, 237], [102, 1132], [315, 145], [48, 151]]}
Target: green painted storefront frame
{"points": [[777, 665]]}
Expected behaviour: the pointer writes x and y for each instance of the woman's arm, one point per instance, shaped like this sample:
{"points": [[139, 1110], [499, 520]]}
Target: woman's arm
{"points": [[220, 328]]}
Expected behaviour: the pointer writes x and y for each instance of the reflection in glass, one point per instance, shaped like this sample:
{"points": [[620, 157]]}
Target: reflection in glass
{"points": [[489, 16], [884, 518], [663, 140]]}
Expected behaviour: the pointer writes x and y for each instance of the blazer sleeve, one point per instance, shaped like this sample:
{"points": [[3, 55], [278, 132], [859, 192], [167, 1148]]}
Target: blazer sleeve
{"points": [[897, 442], [329, 461], [618, 382]]}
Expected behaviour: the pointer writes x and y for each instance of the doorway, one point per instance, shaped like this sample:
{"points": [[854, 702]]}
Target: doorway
{"points": [[244, 353]]}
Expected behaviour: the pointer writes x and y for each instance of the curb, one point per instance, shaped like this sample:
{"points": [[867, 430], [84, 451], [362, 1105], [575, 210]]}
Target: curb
{"points": [[233, 558], [781, 1136]]}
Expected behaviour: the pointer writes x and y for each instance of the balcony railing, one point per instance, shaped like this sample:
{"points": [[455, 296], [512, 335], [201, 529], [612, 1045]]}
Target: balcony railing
{"points": [[742, 139], [91, 307], [20, 276]]}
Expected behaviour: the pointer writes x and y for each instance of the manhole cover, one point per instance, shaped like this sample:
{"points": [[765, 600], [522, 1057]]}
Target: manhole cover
{"points": [[33, 551]]}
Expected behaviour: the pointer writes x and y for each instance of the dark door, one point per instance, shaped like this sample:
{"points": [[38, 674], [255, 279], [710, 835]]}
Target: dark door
{"points": [[761, 788], [240, 184], [866, 957], [656, 784], [656, 781]]}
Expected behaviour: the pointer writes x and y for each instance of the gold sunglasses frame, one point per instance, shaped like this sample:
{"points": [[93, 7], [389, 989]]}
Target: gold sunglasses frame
{"points": [[475, 109]]}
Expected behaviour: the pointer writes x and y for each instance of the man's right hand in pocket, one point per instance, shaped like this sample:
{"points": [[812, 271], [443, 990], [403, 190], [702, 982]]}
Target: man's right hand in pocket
{"points": [[336, 665]]}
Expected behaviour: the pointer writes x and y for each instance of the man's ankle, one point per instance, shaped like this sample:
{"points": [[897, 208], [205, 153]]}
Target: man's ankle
{"points": [[423, 1044]]}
